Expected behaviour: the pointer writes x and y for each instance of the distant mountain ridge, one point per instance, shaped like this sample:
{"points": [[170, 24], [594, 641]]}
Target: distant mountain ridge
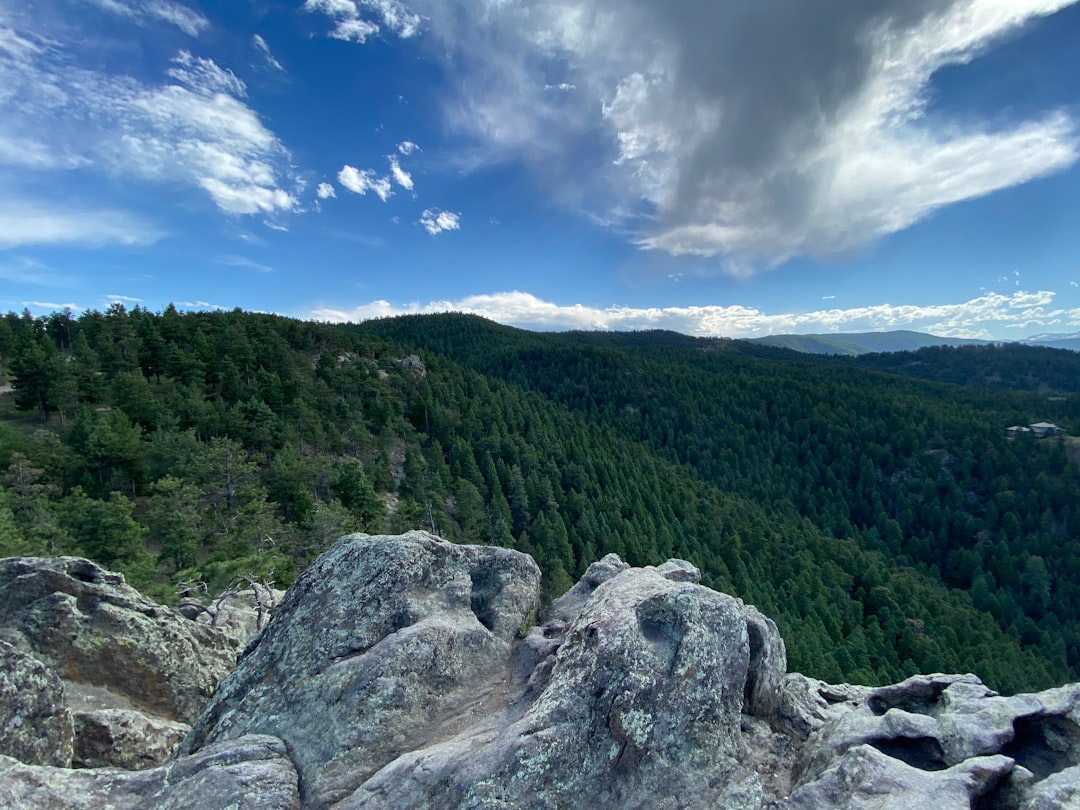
{"points": [[899, 340]]}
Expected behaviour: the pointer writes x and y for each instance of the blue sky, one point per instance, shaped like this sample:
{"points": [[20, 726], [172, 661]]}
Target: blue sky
{"points": [[712, 167]]}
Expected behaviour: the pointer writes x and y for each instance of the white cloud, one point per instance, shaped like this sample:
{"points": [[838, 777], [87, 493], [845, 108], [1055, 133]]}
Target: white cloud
{"points": [[750, 132], [193, 130], [25, 222], [401, 177], [190, 305], [123, 299], [189, 21], [353, 20], [436, 221], [22, 270], [362, 181], [204, 76], [243, 261], [260, 44], [324, 191], [407, 147], [49, 306], [354, 30], [982, 317]]}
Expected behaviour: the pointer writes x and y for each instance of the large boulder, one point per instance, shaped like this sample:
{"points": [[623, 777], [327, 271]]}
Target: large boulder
{"points": [[35, 724], [238, 613], [947, 736], [383, 645], [123, 738], [91, 627], [400, 672], [641, 708]]}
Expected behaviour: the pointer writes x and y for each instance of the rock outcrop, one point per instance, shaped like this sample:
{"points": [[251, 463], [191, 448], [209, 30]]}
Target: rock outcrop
{"points": [[239, 614], [93, 674], [382, 645], [91, 627], [250, 773], [404, 671], [35, 724]]}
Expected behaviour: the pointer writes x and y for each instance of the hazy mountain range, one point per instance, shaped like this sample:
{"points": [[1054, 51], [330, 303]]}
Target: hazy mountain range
{"points": [[900, 340]]}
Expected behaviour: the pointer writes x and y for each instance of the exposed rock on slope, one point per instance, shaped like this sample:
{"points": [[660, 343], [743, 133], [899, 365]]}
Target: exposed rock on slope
{"points": [[89, 625], [397, 673], [377, 648], [35, 724], [641, 708], [251, 773]]}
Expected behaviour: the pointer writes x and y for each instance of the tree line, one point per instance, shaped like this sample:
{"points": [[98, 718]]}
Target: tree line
{"points": [[887, 525]]}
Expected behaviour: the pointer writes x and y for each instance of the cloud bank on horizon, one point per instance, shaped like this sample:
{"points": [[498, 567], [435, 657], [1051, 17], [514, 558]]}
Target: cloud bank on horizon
{"points": [[969, 319]]}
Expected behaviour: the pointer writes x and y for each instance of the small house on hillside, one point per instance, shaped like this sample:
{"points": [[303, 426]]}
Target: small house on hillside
{"points": [[1044, 429], [1040, 429]]}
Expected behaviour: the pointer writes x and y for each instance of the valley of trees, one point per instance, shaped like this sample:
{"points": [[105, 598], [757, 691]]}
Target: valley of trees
{"points": [[885, 522]]}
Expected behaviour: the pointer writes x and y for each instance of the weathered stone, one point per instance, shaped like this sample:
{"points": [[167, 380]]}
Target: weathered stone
{"points": [[864, 777], [803, 705], [395, 676], [35, 725], [768, 665], [642, 709], [944, 722], [1060, 791], [123, 738], [91, 627], [250, 773], [382, 645], [239, 614]]}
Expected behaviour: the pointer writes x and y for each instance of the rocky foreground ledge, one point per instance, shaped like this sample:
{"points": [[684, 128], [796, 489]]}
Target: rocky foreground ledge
{"points": [[405, 671]]}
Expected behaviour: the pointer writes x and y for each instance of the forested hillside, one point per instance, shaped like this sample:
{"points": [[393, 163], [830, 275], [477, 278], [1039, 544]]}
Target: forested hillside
{"points": [[1010, 366], [886, 522]]}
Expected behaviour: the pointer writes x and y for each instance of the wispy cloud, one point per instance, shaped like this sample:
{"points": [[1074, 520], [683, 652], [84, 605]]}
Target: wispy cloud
{"points": [[23, 270], [262, 47], [189, 21], [243, 261], [748, 132], [355, 21], [324, 191], [407, 147], [401, 177], [361, 181], [199, 305], [205, 77], [194, 130], [436, 221], [50, 306], [27, 222], [982, 317]]}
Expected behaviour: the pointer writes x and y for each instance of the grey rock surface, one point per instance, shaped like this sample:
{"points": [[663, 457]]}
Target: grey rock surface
{"points": [[864, 778], [398, 673], [946, 726], [90, 627], [123, 738], [251, 773], [35, 724], [384, 644], [642, 708], [239, 614]]}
